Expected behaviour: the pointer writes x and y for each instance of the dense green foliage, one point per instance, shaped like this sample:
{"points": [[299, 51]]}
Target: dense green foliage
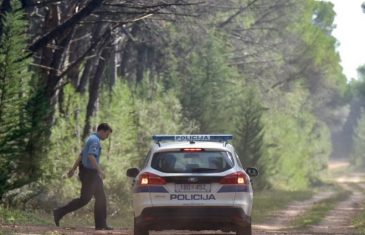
{"points": [[18, 164], [133, 120], [266, 71]]}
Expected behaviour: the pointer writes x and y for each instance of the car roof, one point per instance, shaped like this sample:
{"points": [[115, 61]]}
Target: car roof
{"points": [[174, 142], [168, 146]]}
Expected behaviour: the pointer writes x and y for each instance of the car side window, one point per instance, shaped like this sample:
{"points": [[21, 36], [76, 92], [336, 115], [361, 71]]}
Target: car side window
{"points": [[238, 160], [145, 161], [230, 160]]}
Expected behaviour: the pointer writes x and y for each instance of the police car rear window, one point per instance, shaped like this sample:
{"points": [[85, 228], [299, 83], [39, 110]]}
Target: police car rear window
{"points": [[192, 162]]}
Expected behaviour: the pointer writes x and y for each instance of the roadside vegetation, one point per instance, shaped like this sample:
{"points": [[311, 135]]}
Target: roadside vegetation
{"points": [[16, 216], [359, 220], [84, 218], [266, 71], [265, 204]]}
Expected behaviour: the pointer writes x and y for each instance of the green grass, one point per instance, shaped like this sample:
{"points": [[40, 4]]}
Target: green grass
{"points": [[319, 210], [14, 216], [6, 233], [269, 201], [85, 217], [359, 220], [82, 218], [265, 203]]}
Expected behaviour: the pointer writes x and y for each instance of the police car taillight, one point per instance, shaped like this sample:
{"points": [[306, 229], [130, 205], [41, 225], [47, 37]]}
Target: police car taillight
{"points": [[235, 178], [148, 178]]}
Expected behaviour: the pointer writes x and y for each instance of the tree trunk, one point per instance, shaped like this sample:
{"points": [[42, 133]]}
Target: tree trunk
{"points": [[76, 49], [91, 64], [94, 89], [128, 50], [50, 21], [89, 69], [140, 63]]}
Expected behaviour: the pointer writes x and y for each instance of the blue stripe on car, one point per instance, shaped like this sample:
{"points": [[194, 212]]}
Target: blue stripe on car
{"points": [[233, 188], [150, 189]]}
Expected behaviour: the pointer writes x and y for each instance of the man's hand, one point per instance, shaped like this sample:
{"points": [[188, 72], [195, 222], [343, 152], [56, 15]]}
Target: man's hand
{"points": [[96, 165], [71, 173]]}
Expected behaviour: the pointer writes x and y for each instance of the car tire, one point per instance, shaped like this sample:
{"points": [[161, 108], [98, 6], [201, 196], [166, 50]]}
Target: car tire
{"points": [[139, 230], [246, 230]]}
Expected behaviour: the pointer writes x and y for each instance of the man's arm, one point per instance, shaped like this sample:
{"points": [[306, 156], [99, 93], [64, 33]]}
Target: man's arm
{"points": [[72, 171], [92, 159]]}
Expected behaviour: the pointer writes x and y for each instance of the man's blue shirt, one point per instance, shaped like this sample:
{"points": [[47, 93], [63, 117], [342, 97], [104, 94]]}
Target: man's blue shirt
{"points": [[92, 147]]}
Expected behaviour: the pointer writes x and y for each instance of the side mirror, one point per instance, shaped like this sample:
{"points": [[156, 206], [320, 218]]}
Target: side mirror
{"points": [[252, 172], [132, 172]]}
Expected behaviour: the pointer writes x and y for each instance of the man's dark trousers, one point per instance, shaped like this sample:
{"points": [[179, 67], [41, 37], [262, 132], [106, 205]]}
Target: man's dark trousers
{"points": [[91, 185]]}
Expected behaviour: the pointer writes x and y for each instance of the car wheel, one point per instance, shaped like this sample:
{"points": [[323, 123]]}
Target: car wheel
{"points": [[244, 230], [138, 230]]}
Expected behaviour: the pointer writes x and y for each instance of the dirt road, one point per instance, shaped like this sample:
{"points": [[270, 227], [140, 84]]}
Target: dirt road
{"points": [[338, 220]]}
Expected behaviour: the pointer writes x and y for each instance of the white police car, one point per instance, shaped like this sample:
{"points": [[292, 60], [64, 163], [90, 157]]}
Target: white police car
{"points": [[192, 182]]}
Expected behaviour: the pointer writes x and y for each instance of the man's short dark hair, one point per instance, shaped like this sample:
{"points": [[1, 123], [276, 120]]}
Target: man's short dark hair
{"points": [[104, 127]]}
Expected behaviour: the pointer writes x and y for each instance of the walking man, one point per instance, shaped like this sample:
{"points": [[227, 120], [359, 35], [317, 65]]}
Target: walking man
{"points": [[91, 177]]}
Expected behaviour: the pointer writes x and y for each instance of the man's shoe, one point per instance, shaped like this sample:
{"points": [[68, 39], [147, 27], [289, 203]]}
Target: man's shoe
{"points": [[56, 217], [104, 228]]}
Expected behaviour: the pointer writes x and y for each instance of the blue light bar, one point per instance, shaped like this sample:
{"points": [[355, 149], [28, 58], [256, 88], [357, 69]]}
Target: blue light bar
{"points": [[178, 138]]}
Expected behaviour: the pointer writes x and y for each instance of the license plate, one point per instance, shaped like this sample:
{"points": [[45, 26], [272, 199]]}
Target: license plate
{"points": [[192, 188]]}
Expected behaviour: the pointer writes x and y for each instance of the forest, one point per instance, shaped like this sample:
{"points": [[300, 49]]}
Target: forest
{"points": [[266, 71]]}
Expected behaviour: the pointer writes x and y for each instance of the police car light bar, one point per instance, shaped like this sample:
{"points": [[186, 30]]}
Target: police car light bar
{"points": [[212, 138]]}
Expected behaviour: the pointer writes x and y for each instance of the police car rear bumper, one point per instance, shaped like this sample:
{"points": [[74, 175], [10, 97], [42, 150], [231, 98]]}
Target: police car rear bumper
{"points": [[193, 218]]}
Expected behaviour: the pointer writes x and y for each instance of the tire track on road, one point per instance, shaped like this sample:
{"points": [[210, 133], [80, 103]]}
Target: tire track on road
{"points": [[339, 220], [281, 220]]}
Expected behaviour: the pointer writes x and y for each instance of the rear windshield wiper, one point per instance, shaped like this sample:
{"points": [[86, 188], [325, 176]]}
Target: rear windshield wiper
{"points": [[203, 169]]}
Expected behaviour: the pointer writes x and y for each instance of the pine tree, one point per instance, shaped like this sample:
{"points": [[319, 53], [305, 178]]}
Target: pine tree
{"points": [[249, 133], [206, 86], [17, 168]]}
